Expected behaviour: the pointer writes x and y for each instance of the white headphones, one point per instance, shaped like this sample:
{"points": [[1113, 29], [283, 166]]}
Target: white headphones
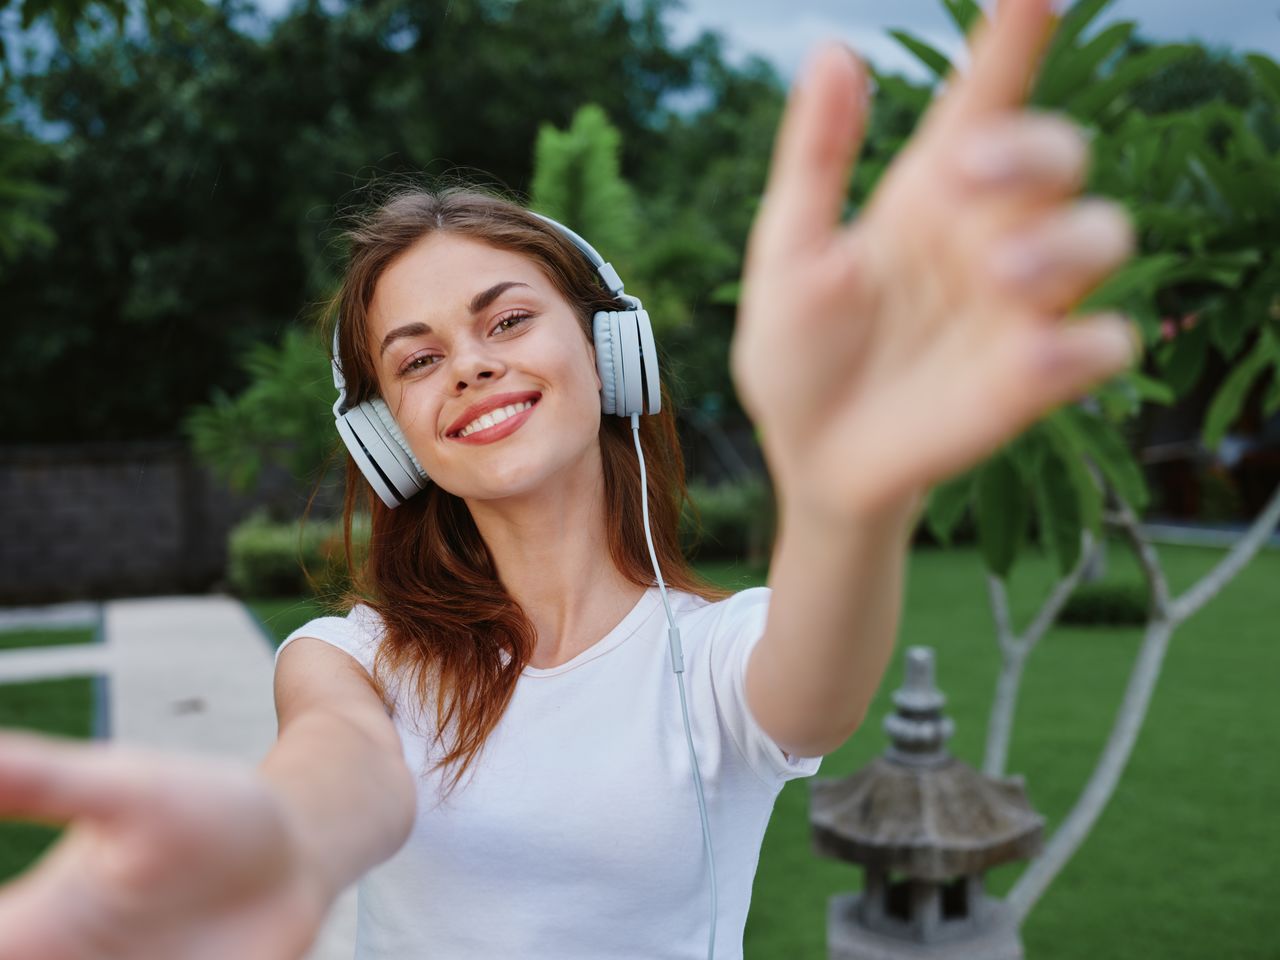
{"points": [[626, 358]]}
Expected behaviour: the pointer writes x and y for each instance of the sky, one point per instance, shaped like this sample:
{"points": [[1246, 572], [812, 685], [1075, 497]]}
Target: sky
{"points": [[782, 31]]}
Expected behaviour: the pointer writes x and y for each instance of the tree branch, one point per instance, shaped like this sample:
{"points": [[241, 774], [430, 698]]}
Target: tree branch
{"points": [[1014, 651], [1208, 586], [1157, 587]]}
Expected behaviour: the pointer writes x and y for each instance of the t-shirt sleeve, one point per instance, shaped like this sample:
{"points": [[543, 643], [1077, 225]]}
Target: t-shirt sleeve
{"points": [[737, 629], [357, 634]]}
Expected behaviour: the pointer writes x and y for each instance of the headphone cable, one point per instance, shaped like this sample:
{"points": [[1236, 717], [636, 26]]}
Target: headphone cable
{"points": [[677, 665]]}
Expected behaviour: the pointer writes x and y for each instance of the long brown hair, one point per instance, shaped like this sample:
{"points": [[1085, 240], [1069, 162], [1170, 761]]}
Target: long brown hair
{"points": [[451, 627]]}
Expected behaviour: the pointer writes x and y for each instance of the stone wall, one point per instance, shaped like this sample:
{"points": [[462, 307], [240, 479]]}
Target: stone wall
{"points": [[106, 520]]}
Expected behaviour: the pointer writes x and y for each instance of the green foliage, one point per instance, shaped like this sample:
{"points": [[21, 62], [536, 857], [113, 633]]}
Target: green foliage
{"points": [[24, 200], [203, 170], [283, 417], [1181, 140], [946, 505], [268, 559], [67, 16], [576, 180], [1123, 602], [1001, 512], [734, 520]]}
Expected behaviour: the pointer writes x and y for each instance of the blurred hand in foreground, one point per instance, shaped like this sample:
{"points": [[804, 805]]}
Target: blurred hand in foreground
{"points": [[166, 856], [882, 356]]}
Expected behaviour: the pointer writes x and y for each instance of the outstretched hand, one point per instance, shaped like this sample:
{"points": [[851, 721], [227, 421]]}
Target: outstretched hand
{"points": [[164, 857], [883, 356]]}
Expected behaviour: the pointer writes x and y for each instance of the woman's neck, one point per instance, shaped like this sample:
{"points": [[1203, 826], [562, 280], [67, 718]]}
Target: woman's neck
{"points": [[551, 552]]}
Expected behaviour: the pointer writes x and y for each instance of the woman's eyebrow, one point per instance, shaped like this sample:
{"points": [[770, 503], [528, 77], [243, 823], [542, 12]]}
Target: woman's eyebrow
{"points": [[478, 303], [486, 297]]}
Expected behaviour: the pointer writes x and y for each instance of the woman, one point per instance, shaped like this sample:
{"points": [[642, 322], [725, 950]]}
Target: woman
{"points": [[876, 359]]}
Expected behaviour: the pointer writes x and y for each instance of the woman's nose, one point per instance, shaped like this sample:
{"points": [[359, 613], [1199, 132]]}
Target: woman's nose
{"points": [[474, 363]]}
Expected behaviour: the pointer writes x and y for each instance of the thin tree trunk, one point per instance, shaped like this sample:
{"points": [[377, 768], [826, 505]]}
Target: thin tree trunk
{"points": [[1003, 709], [1014, 651]]}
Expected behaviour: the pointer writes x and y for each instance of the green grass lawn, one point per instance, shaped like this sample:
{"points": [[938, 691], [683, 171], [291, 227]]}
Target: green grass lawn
{"points": [[281, 617], [63, 707], [60, 636], [1181, 863]]}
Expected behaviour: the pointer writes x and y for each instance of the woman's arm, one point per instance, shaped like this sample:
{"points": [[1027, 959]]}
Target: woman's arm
{"points": [[880, 357], [837, 595], [337, 766]]}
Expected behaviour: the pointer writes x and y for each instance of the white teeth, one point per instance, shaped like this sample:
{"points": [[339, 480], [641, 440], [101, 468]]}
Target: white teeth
{"points": [[493, 417]]}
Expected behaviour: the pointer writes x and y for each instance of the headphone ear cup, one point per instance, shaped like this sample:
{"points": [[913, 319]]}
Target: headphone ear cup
{"points": [[398, 444], [363, 456], [608, 359], [630, 392], [649, 361], [381, 455]]}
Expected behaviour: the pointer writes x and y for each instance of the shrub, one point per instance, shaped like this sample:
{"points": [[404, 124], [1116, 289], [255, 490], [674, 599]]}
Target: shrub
{"points": [[737, 520], [1122, 602], [267, 559]]}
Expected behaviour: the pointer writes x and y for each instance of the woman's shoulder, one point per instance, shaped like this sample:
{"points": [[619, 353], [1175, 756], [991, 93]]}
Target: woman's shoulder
{"points": [[358, 631], [742, 605]]}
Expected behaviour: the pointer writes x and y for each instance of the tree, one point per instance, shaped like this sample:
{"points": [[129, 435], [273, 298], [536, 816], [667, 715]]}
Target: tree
{"points": [[576, 181], [1199, 181]]}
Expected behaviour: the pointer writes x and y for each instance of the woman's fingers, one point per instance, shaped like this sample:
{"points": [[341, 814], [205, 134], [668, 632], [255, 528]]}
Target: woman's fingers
{"points": [[1067, 359], [1031, 155], [821, 131], [1053, 264], [54, 779]]}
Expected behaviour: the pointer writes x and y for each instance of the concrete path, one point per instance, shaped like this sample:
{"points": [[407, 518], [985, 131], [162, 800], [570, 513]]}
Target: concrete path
{"points": [[181, 673]]}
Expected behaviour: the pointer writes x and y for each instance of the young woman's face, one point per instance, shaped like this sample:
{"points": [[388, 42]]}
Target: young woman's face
{"points": [[454, 323]]}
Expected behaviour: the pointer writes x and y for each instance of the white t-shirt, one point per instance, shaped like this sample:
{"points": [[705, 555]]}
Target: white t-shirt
{"points": [[578, 836]]}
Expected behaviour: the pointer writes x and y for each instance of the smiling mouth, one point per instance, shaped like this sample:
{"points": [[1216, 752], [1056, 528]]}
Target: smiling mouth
{"points": [[496, 419]]}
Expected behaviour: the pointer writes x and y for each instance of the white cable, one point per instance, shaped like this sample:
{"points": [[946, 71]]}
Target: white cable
{"points": [[677, 666]]}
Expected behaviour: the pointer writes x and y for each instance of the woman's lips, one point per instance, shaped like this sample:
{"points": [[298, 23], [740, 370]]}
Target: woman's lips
{"points": [[499, 430]]}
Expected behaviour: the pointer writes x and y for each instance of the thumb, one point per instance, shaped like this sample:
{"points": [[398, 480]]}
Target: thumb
{"points": [[813, 155], [56, 779]]}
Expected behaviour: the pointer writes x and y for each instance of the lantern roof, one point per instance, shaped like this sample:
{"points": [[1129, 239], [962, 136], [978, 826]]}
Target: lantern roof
{"points": [[917, 810]]}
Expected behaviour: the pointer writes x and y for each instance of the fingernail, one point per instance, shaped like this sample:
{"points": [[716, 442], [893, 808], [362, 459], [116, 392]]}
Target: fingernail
{"points": [[987, 161]]}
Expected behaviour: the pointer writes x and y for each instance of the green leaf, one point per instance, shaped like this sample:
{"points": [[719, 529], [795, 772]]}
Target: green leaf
{"points": [[1096, 98], [1027, 453], [1141, 276], [1070, 452], [1074, 22], [1104, 444], [1226, 404], [1182, 361], [964, 13], [1150, 389], [1267, 72], [1271, 402], [1001, 513], [727, 292], [934, 59], [1074, 70], [946, 505], [1058, 512]]}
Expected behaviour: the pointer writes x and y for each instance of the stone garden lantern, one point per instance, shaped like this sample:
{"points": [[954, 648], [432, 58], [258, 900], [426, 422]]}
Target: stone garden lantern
{"points": [[924, 826]]}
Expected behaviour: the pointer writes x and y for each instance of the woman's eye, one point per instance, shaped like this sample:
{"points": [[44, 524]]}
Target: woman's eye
{"points": [[418, 363], [514, 319]]}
